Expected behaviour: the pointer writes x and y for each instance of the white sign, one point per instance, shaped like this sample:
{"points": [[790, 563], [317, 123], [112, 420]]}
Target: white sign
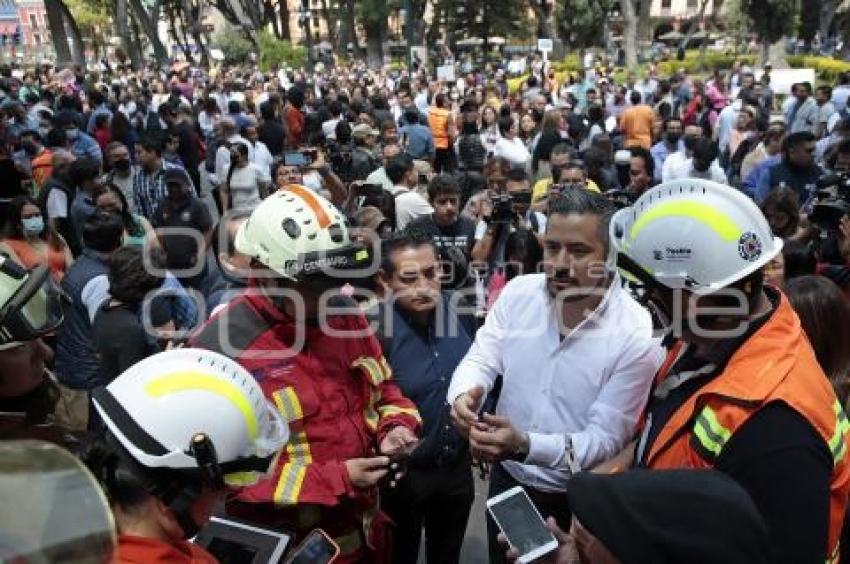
{"points": [[216, 54], [545, 45], [446, 73], [782, 79]]}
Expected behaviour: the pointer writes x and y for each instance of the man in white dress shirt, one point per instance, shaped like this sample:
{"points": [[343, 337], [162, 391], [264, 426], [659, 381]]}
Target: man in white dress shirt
{"points": [[577, 357]]}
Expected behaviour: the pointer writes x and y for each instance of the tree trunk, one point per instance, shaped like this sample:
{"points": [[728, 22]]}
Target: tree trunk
{"points": [[269, 16], [827, 15], [148, 25], [776, 54], [350, 29], [194, 11], [122, 30], [57, 31], [330, 23], [78, 53], [644, 29], [630, 19], [136, 42], [374, 43], [283, 13]]}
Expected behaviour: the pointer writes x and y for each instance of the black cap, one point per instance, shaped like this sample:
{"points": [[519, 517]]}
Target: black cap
{"points": [[177, 175]]}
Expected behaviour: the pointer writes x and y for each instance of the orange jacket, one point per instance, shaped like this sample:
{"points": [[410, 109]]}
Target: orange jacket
{"points": [[142, 550], [776, 363], [438, 121]]}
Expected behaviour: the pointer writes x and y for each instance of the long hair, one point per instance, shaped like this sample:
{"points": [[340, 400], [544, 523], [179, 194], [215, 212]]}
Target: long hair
{"points": [[133, 228], [825, 316], [14, 224]]}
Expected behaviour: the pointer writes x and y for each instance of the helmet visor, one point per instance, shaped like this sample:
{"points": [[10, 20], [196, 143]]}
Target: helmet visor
{"points": [[34, 309]]}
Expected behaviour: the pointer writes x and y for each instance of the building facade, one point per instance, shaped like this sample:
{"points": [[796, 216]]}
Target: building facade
{"points": [[33, 22]]}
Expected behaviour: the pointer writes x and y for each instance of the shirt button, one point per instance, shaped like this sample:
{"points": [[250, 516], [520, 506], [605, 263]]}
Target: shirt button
{"points": [[448, 427]]}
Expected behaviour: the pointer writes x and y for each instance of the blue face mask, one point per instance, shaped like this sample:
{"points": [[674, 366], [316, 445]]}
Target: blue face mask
{"points": [[33, 226], [72, 134]]}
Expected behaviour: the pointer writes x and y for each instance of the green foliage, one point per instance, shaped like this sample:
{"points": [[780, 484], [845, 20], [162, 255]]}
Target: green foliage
{"points": [[91, 14], [581, 22], [697, 61], [233, 43], [504, 19], [827, 68], [274, 52], [373, 10], [772, 19]]}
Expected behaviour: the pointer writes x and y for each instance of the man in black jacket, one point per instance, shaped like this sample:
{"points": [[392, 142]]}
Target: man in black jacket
{"points": [[424, 339]]}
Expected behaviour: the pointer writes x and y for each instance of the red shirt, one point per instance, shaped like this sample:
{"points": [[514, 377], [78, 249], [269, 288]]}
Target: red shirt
{"points": [[142, 550], [295, 126], [103, 136]]}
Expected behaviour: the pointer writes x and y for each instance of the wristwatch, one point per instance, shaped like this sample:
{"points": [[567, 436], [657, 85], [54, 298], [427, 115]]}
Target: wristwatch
{"points": [[570, 456]]}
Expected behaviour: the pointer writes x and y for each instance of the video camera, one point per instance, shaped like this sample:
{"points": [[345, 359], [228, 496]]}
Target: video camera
{"points": [[503, 205], [832, 201], [620, 198], [503, 208]]}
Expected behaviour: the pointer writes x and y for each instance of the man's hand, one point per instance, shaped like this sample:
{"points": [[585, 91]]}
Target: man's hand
{"points": [[567, 552], [619, 463], [397, 439], [494, 438], [465, 409], [365, 473]]}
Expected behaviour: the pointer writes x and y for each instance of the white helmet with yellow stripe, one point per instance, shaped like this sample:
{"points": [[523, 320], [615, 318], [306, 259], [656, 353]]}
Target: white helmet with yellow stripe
{"points": [[192, 409], [692, 234], [298, 233]]}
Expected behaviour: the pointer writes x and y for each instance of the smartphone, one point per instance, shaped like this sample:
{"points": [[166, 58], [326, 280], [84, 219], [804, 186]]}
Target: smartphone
{"points": [[316, 548], [310, 155], [522, 524], [294, 158]]}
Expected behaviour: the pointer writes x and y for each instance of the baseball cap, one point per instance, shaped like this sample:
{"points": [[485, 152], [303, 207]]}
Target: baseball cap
{"points": [[363, 130], [176, 175]]}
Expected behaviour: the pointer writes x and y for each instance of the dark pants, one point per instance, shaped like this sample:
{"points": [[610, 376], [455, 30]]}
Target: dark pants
{"points": [[548, 504], [444, 160], [438, 499]]}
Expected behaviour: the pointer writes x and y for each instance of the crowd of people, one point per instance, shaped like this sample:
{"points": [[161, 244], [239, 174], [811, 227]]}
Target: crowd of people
{"points": [[628, 297]]}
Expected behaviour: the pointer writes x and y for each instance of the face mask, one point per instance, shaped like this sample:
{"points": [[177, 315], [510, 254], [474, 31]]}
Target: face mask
{"points": [[29, 147], [72, 134], [122, 165], [690, 141], [673, 138], [33, 226], [43, 131]]}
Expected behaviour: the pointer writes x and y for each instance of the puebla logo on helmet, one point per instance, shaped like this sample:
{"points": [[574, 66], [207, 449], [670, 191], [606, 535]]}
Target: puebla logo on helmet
{"points": [[749, 246]]}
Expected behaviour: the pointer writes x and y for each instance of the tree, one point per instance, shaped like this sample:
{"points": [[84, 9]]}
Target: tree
{"points": [[772, 20], [582, 22], [235, 46], [828, 8], [373, 14], [630, 19]]}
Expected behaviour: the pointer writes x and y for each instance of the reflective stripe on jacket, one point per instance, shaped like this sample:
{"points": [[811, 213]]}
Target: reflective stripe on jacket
{"points": [[776, 363]]}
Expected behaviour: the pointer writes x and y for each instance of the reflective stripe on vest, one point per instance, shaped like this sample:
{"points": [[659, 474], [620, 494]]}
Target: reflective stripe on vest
{"points": [[709, 436], [838, 444]]}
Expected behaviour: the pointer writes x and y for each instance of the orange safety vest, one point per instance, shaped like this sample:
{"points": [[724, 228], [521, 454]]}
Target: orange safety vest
{"points": [[776, 363], [438, 122]]}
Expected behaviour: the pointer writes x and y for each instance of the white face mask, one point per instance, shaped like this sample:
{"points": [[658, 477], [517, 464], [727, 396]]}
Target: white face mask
{"points": [[33, 226]]}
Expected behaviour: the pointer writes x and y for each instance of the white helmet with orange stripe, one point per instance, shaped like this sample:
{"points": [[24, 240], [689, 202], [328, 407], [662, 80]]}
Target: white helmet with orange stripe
{"points": [[297, 233]]}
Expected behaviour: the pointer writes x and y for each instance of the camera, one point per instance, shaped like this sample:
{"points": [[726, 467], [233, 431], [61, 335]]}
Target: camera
{"points": [[503, 209], [620, 198], [832, 201]]}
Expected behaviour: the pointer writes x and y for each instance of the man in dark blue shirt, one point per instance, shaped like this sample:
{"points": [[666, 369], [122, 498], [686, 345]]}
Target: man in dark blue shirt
{"points": [[424, 339], [417, 139]]}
